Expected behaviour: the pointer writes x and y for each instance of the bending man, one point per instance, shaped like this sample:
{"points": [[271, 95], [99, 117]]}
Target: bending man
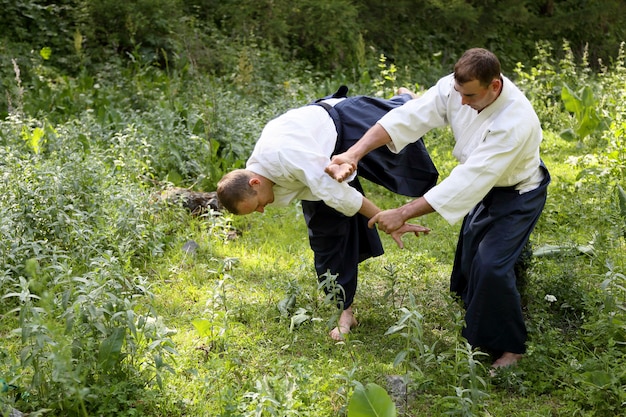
{"points": [[288, 164], [499, 188]]}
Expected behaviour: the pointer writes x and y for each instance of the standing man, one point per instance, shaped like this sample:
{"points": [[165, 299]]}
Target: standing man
{"points": [[288, 164], [499, 188]]}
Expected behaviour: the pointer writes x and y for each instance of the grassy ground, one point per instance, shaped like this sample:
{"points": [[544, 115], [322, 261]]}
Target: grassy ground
{"points": [[236, 285], [103, 311]]}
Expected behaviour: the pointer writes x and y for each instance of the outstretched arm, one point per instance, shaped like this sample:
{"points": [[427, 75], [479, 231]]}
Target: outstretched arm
{"points": [[416, 229], [344, 164], [371, 211], [392, 220]]}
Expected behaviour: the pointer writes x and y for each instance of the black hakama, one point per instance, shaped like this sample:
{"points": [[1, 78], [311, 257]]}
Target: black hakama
{"points": [[340, 242], [491, 240]]}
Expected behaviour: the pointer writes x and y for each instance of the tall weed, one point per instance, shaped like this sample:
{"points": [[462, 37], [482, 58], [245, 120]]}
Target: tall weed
{"points": [[84, 247], [75, 227]]}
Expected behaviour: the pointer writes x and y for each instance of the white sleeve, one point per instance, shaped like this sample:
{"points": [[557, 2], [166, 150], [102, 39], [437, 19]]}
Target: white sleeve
{"points": [[308, 169], [469, 183], [409, 122]]}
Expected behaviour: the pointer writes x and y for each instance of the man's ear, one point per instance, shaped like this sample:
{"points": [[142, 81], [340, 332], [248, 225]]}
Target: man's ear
{"points": [[496, 83], [254, 181]]}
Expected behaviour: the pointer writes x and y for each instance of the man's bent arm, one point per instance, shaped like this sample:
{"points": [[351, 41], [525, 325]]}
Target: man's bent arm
{"points": [[416, 208], [370, 210], [391, 220], [344, 164]]}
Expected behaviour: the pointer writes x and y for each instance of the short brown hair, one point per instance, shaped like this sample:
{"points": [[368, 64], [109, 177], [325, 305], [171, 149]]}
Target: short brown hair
{"points": [[234, 187], [477, 64]]}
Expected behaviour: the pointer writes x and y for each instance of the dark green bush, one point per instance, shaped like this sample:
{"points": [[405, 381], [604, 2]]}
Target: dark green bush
{"points": [[33, 25], [330, 35], [143, 27], [323, 33]]}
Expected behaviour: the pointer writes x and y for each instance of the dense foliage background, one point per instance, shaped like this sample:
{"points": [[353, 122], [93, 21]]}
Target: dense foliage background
{"points": [[211, 35], [114, 302]]}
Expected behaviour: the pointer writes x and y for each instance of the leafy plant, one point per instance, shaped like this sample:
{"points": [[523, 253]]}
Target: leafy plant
{"points": [[585, 108], [334, 293], [35, 138], [621, 197], [416, 353], [371, 401], [471, 387], [216, 327], [385, 83]]}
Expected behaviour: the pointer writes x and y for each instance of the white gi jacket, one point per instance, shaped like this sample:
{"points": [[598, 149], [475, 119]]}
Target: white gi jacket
{"points": [[293, 151], [498, 147]]}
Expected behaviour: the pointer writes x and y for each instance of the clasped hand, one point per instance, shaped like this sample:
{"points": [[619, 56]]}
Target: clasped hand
{"points": [[392, 223], [388, 220], [341, 167], [408, 228]]}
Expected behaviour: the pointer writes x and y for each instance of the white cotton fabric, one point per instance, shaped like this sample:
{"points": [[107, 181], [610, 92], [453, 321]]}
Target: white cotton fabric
{"points": [[293, 151], [493, 147]]}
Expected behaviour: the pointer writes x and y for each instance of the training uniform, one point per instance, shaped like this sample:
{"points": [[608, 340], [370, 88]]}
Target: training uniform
{"points": [[295, 148], [499, 188]]}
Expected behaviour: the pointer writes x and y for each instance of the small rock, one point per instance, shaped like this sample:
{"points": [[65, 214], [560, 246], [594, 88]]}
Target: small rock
{"points": [[397, 388], [190, 247], [12, 412]]}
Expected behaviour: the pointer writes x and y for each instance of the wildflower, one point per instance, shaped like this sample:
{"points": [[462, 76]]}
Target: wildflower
{"points": [[550, 298]]}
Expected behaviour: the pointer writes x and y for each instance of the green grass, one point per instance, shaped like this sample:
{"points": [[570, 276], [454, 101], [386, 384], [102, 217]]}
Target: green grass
{"points": [[272, 256], [103, 313]]}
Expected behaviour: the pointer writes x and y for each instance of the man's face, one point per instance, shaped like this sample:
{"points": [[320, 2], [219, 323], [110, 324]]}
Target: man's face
{"points": [[264, 196], [476, 96], [250, 205]]}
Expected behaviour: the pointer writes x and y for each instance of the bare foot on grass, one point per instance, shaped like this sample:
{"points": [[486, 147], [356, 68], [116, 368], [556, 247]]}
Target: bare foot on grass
{"points": [[507, 359], [344, 325]]}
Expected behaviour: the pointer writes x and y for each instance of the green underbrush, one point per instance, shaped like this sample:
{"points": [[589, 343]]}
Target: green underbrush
{"points": [[114, 302]]}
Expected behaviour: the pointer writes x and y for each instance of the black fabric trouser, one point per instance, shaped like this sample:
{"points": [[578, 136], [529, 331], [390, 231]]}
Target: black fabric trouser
{"points": [[491, 240], [340, 242]]}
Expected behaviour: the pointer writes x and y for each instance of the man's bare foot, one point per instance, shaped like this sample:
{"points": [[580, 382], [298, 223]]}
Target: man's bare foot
{"points": [[403, 90], [507, 359], [344, 325]]}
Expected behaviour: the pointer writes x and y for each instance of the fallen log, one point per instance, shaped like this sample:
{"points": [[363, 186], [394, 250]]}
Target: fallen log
{"points": [[197, 202]]}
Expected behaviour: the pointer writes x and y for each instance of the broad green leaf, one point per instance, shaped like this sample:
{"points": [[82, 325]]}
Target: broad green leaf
{"points": [[598, 378], [588, 100], [174, 177], [45, 52], [198, 127], [565, 250], [568, 135], [400, 357], [371, 401], [570, 100], [299, 317], [203, 326], [286, 304], [588, 122], [395, 329], [111, 348]]}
